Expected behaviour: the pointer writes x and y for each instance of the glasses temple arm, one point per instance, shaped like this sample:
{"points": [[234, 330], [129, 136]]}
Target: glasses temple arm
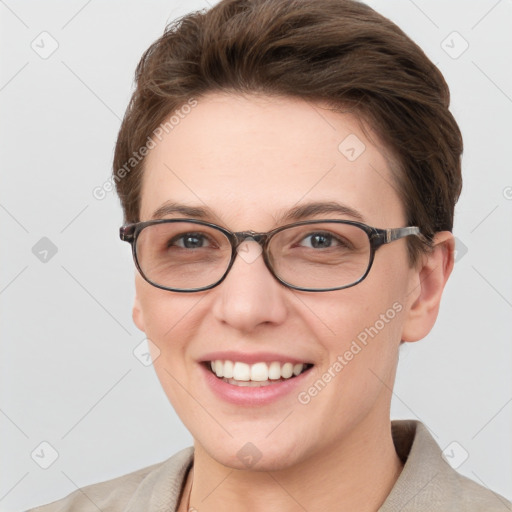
{"points": [[386, 236], [126, 233]]}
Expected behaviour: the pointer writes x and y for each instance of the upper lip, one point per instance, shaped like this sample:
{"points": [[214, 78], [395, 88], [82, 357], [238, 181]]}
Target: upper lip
{"points": [[251, 358]]}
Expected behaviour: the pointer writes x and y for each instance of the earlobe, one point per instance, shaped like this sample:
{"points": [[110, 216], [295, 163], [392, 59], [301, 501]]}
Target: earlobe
{"points": [[431, 278], [137, 315]]}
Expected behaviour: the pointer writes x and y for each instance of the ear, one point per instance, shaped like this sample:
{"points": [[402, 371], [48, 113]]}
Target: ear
{"points": [[428, 284], [137, 315]]}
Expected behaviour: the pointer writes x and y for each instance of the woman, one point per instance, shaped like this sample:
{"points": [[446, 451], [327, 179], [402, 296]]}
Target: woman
{"points": [[288, 172]]}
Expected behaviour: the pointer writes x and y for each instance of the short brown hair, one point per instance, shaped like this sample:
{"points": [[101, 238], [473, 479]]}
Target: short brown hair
{"points": [[340, 52]]}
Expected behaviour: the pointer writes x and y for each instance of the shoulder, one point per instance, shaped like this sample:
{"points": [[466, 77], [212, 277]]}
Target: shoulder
{"points": [[162, 482], [473, 497], [428, 483]]}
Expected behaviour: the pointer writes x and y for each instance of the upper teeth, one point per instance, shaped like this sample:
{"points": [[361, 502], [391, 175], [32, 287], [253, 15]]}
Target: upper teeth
{"points": [[256, 372]]}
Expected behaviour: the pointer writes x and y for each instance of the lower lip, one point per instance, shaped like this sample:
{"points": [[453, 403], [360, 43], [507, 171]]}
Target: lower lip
{"points": [[252, 396]]}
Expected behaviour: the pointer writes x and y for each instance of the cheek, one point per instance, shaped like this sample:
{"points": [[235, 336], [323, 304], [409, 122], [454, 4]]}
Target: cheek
{"points": [[163, 311], [171, 321], [375, 303], [361, 356], [363, 328]]}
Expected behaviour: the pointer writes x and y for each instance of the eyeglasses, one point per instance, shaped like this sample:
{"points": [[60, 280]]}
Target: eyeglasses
{"points": [[185, 255]]}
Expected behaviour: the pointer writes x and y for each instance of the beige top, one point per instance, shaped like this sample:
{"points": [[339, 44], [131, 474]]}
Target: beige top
{"points": [[426, 484]]}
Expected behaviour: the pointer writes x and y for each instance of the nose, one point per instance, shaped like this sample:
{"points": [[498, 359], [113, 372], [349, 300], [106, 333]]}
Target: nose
{"points": [[249, 295]]}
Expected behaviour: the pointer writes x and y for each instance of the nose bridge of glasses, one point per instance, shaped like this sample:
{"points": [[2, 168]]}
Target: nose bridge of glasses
{"points": [[250, 236]]}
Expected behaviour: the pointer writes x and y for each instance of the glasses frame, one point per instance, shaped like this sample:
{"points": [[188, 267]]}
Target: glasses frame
{"points": [[377, 237]]}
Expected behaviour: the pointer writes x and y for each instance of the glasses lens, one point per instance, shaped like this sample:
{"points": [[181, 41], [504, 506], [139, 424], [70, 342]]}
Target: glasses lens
{"points": [[182, 255], [320, 255]]}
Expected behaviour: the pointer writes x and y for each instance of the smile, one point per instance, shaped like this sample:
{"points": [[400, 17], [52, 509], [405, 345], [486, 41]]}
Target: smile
{"points": [[256, 375]]}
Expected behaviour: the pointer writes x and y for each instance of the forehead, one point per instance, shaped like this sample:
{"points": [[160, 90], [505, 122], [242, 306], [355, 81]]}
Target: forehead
{"points": [[250, 158]]}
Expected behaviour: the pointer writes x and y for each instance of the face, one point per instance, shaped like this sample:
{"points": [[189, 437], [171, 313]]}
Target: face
{"points": [[249, 160]]}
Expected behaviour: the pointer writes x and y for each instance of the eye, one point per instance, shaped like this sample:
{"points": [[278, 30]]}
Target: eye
{"points": [[323, 240], [189, 241]]}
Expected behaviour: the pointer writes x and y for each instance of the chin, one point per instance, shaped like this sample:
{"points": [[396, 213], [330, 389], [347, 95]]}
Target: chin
{"points": [[258, 455]]}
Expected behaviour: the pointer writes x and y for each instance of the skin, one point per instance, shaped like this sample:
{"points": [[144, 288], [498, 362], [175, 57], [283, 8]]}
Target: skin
{"points": [[248, 159]]}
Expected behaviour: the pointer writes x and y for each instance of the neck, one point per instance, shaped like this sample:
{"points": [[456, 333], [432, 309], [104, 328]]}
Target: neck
{"points": [[357, 474]]}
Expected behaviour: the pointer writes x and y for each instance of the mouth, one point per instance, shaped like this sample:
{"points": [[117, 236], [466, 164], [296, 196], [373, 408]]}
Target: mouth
{"points": [[259, 374]]}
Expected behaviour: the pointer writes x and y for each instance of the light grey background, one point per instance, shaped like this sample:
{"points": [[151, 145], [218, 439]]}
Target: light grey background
{"points": [[68, 373]]}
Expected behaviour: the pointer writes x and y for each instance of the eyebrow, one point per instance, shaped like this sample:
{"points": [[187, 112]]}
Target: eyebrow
{"points": [[294, 214]]}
